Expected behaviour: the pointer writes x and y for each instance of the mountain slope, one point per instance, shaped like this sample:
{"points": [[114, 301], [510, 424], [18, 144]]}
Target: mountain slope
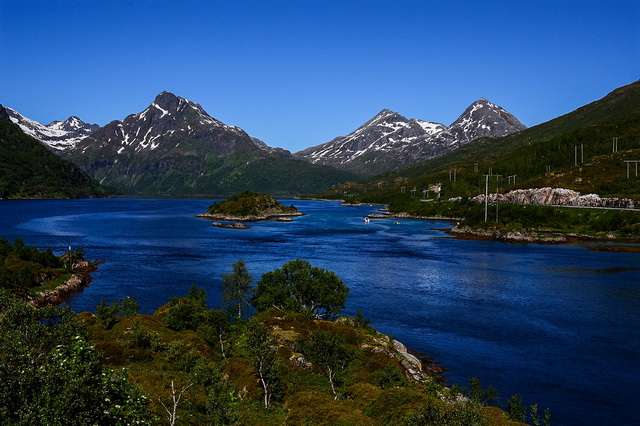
{"points": [[29, 170], [58, 136], [175, 147], [389, 140]]}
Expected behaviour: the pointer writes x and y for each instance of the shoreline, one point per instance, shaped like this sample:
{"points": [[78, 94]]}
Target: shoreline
{"points": [[80, 279], [536, 237], [224, 218], [542, 237]]}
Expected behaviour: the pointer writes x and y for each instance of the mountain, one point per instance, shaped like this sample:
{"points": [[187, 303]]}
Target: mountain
{"points": [[29, 170], [58, 136], [175, 147], [374, 146], [389, 140], [480, 120], [573, 151]]}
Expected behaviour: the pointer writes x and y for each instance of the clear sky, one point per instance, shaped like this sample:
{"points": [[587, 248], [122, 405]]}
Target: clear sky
{"points": [[299, 73]]}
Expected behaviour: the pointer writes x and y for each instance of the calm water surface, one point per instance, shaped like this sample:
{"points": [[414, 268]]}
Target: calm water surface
{"points": [[558, 324]]}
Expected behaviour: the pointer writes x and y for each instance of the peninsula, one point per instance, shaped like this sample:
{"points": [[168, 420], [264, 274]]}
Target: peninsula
{"points": [[249, 207]]}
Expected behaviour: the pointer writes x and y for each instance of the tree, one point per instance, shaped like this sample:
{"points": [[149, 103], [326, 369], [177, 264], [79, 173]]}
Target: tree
{"points": [[185, 313], [215, 322], [329, 352], [481, 395], [301, 287], [108, 314], [176, 396], [515, 409], [50, 374], [236, 288], [129, 307], [222, 403], [258, 345]]}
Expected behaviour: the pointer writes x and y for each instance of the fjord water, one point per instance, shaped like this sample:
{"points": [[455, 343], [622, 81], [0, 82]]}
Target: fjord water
{"points": [[558, 324]]}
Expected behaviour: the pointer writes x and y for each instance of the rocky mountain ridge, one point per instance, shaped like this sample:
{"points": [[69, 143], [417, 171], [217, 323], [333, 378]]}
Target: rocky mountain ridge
{"points": [[390, 140], [58, 136], [175, 147]]}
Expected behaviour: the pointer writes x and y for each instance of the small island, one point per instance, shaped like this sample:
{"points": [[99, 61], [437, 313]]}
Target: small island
{"points": [[248, 207]]}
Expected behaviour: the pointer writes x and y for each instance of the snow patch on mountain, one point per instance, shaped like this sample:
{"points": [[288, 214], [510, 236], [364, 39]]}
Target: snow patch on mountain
{"points": [[58, 135], [393, 139]]}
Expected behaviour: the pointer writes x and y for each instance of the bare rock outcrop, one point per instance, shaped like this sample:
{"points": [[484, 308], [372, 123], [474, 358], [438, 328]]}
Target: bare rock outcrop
{"points": [[558, 197], [60, 293]]}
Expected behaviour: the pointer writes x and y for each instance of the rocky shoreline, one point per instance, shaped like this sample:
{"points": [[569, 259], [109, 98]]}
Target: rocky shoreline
{"points": [[403, 215], [502, 235], [235, 225], [265, 216], [60, 294], [541, 237], [74, 284]]}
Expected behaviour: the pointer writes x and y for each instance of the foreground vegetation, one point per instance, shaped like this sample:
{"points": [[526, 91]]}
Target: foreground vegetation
{"points": [[188, 364]]}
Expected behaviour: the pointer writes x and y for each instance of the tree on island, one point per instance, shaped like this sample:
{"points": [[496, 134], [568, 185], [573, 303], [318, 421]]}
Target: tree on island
{"points": [[298, 286], [236, 288]]}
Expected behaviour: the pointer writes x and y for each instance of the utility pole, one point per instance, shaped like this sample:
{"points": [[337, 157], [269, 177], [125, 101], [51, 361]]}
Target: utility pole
{"points": [[628, 163], [615, 145], [581, 153], [475, 167], [575, 158], [486, 197], [497, 203]]}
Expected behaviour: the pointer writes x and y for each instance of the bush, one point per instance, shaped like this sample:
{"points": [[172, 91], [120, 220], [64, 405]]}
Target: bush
{"points": [[440, 413], [389, 377]]}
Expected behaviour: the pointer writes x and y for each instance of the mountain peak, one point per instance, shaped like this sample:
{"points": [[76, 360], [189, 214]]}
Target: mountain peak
{"points": [[166, 100]]}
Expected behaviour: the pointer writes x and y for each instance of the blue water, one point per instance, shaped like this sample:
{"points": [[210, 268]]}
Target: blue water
{"points": [[558, 324]]}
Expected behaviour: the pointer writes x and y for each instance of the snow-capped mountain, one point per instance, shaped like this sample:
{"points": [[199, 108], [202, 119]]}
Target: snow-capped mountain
{"points": [[174, 146], [171, 124], [481, 119], [389, 140], [387, 131], [58, 136]]}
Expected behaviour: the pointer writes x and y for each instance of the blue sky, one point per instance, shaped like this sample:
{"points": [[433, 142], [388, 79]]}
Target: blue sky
{"points": [[299, 73]]}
